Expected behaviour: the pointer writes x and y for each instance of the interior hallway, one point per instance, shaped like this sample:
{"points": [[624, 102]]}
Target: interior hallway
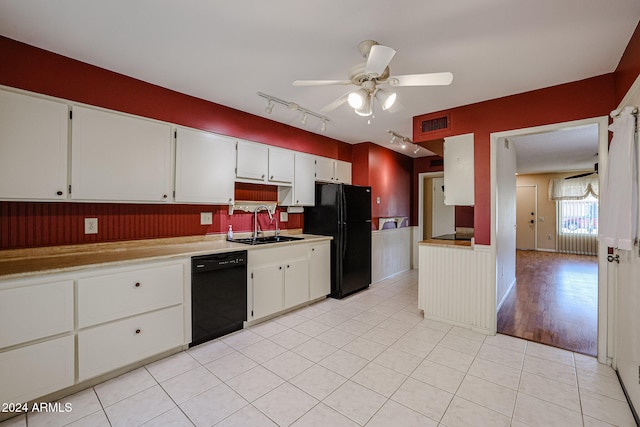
{"points": [[554, 301]]}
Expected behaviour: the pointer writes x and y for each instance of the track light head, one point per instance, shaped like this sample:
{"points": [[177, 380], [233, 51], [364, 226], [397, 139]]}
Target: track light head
{"points": [[269, 108], [417, 149], [304, 119], [323, 127]]}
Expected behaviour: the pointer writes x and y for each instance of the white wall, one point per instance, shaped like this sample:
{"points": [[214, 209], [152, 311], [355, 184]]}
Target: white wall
{"points": [[390, 252], [505, 218]]}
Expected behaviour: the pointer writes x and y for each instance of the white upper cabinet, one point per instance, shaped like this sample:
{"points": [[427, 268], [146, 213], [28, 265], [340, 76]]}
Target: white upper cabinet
{"points": [[252, 162], [343, 172], [459, 170], [205, 167], [303, 191], [331, 170], [116, 157], [325, 169], [281, 165], [33, 147]]}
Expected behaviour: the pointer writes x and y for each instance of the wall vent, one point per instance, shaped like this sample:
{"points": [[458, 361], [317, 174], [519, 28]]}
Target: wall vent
{"points": [[436, 162], [436, 124]]}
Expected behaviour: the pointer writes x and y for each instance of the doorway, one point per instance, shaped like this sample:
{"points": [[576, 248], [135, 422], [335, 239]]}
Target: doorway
{"points": [[501, 190]]}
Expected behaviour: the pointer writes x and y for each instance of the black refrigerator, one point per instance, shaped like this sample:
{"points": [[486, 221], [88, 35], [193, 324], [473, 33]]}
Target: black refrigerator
{"points": [[344, 212]]}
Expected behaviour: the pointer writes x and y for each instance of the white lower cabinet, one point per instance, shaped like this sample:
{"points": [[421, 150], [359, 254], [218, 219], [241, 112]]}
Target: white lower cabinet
{"points": [[36, 370], [107, 347], [296, 282], [267, 291], [319, 270], [279, 278]]}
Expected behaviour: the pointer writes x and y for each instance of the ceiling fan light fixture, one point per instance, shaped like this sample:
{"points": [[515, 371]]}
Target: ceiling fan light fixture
{"points": [[366, 109], [386, 99], [357, 99]]}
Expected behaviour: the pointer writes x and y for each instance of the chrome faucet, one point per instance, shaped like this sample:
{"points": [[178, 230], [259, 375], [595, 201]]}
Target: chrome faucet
{"points": [[255, 219]]}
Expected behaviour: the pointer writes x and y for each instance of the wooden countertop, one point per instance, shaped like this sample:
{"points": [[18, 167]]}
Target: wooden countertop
{"points": [[447, 243], [18, 263]]}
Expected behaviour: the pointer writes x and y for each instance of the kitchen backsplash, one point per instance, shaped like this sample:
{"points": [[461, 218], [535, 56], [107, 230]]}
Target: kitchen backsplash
{"points": [[38, 224]]}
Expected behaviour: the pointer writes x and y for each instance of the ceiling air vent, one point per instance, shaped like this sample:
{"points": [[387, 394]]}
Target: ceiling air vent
{"points": [[436, 124], [436, 162]]}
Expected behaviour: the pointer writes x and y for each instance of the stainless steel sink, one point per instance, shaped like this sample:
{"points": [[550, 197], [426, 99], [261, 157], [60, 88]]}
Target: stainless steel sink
{"points": [[265, 240]]}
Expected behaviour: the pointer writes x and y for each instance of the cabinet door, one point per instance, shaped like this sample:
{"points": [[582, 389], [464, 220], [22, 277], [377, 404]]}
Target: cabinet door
{"points": [[304, 182], [319, 270], [325, 169], [33, 147], [27, 373], [458, 170], [252, 162], [343, 172], [267, 290], [117, 344], [33, 312], [296, 282], [205, 167], [115, 157], [281, 165]]}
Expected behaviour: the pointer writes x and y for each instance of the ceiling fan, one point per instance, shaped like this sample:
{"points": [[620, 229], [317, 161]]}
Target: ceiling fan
{"points": [[371, 73]]}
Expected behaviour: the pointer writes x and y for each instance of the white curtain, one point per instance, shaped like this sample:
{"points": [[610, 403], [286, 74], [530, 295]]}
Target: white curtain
{"points": [[573, 189], [619, 204]]}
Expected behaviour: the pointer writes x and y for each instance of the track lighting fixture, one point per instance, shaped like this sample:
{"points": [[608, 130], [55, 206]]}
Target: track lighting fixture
{"points": [[293, 106], [403, 141], [269, 108]]}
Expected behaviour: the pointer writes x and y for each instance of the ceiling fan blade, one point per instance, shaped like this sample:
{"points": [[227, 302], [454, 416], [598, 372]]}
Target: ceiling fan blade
{"points": [[320, 82], [335, 104], [379, 58], [429, 79]]}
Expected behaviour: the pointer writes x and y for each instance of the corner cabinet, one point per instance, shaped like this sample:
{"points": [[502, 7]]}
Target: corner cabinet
{"points": [[117, 157], [280, 278], [33, 147], [459, 170], [205, 167]]}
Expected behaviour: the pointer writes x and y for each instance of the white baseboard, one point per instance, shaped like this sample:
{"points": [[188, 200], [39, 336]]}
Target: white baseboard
{"points": [[513, 283]]}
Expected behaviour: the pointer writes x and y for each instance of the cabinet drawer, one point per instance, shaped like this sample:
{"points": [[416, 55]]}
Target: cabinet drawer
{"points": [[32, 312], [114, 296], [117, 344], [29, 372]]}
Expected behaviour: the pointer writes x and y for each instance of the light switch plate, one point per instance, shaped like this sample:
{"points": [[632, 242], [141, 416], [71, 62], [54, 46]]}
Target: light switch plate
{"points": [[206, 218], [91, 226], [378, 200], [284, 217]]}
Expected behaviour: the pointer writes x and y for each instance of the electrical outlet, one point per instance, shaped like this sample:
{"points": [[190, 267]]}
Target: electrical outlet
{"points": [[91, 226], [378, 200], [206, 218]]}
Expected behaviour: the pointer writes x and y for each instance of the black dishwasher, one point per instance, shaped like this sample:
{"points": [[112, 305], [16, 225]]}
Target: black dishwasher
{"points": [[218, 295]]}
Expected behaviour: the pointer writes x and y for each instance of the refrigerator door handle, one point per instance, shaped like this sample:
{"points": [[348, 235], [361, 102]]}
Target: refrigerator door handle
{"points": [[344, 240]]}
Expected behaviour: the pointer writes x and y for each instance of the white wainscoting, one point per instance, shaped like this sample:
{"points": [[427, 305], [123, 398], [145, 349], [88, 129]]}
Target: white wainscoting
{"points": [[390, 252], [456, 285]]}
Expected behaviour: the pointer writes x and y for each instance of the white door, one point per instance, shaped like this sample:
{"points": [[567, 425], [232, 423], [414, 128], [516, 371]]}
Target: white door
{"points": [[526, 217], [443, 218]]}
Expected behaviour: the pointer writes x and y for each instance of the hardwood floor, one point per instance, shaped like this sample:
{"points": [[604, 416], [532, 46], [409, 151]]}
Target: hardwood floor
{"points": [[554, 301]]}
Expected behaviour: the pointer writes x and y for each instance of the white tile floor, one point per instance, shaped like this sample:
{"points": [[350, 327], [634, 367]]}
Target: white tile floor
{"points": [[370, 359]]}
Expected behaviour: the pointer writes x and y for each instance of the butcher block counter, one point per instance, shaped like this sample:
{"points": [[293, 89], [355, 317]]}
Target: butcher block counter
{"points": [[16, 263]]}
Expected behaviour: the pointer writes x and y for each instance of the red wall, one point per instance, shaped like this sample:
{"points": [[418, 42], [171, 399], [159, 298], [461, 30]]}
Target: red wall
{"points": [[572, 101], [28, 224], [390, 176]]}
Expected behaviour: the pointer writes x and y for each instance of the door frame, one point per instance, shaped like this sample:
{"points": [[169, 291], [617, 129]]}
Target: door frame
{"points": [[605, 288], [421, 177], [535, 209]]}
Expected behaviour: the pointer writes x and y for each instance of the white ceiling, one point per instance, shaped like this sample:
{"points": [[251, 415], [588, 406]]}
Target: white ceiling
{"points": [[569, 149], [226, 52]]}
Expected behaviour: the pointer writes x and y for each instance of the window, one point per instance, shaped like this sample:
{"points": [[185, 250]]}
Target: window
{"points": [[578, 216]]}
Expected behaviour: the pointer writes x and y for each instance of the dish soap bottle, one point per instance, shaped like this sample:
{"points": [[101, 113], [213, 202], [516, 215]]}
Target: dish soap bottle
{"points": [[230, 233]]}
